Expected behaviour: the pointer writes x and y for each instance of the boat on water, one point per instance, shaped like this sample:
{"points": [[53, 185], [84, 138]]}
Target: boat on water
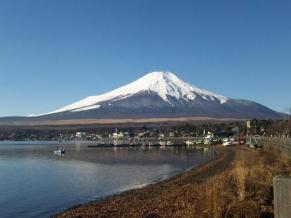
{"points": [[59, 151], [152, 144], [170, 143], [230, 142], [145, 144], [120, 143], [162, 143], [226, 142], [190, 142], [207, 140], [163, 147]]}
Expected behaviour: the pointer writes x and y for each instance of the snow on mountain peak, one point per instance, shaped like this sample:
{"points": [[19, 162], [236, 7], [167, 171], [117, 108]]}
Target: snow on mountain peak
{"points": [[168, 84], [165, 84]]}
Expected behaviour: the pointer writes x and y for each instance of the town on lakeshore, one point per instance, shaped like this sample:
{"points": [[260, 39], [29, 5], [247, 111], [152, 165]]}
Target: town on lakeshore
{"points": [[211, 133]]}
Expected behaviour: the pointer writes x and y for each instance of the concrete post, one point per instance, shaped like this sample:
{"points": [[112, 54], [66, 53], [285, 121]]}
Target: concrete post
{"points": [[282, 196]]}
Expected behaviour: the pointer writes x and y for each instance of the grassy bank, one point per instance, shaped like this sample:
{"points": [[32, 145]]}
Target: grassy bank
{"points": [[246, 189], [236, 184]]}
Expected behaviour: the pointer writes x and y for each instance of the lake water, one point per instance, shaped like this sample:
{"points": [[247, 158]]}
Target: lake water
{"points": [[34, 182]]}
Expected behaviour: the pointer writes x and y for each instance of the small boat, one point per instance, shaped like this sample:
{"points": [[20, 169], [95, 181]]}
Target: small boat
{"points": [[227, 143], [154, 144], [189, 142], [162, 143], [169, 143], [207, 140], [151, 144], [59, 151], [145, 144]]}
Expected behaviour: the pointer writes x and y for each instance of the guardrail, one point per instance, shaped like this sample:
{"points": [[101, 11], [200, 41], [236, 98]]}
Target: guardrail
{"points": [[281, 184], [282, 196], [284, 144]]}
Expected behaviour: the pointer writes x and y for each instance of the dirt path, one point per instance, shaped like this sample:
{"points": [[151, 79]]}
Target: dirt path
{"points": [[171, 198]]}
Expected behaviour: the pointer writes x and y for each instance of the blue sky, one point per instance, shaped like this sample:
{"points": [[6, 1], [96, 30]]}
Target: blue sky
{"points": [[55, 52]]}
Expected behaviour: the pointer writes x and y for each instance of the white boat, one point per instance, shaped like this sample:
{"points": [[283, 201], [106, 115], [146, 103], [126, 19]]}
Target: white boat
{"points": [[169, 143], [59, 151], [151, 144], [226, 142], [162, 143], [229, 142], [207, 140], [189, 143]]}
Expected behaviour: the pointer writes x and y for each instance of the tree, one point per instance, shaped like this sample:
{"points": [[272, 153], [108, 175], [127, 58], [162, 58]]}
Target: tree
{"points": [[289, 123]]}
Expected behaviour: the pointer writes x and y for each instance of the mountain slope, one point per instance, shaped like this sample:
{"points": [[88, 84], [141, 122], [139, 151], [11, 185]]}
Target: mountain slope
{"points": [[164, 84], [161, 94]]}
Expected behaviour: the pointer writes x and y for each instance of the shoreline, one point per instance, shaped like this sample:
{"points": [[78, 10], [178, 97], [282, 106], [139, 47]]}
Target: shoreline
{"points": [[146, 201]]}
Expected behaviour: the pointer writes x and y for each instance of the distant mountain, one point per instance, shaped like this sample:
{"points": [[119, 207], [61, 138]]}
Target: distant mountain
{"points": [[160, 94]]}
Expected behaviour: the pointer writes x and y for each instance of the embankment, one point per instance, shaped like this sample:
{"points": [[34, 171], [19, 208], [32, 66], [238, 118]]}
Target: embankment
{"points": [[162, 199], [238, 183]]}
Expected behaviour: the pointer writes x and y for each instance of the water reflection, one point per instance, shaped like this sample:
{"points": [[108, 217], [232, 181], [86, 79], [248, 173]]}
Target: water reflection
{"points": [[50, 182]]}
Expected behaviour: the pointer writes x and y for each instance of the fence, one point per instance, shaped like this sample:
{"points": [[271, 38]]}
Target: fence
{"points": [[284, 144], [282, 196], [282, 184]]}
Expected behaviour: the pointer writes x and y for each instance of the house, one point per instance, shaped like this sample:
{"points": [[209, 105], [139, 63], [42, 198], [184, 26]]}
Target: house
{"points": [[98, 136], [117, 135], [140, 134], [249, 124]]}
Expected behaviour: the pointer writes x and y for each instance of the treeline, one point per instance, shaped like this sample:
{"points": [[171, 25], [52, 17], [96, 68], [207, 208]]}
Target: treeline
{"points": [[281, 128], [254, 127], [68, 133]]}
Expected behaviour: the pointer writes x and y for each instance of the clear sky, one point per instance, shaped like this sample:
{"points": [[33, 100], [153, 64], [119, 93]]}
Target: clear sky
{"points": [[53, 53]]}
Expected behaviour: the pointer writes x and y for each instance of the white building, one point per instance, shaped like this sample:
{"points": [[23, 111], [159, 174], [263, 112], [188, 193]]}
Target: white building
{"points": [[117, 135]]}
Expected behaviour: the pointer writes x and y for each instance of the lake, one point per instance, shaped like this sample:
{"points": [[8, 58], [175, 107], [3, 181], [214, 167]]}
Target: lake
{"points": [[34, 182]]}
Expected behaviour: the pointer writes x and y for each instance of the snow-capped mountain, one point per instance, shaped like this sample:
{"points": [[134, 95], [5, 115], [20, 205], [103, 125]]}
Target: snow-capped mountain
{"points": [[161, 94], [166, 85]]}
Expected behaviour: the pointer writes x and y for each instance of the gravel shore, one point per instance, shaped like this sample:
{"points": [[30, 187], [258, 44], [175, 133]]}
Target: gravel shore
{"points": [[173, 197]]}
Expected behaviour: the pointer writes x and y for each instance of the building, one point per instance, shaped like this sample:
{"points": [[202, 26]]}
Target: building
{"points": [[117, 135], [249, 124]]}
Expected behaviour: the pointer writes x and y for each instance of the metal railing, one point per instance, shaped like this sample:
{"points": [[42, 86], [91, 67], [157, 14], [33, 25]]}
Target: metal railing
{"points": [[284, 144]]}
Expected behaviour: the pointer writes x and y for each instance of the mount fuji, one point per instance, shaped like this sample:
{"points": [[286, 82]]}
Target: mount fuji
{"points": [[160, 94]]}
